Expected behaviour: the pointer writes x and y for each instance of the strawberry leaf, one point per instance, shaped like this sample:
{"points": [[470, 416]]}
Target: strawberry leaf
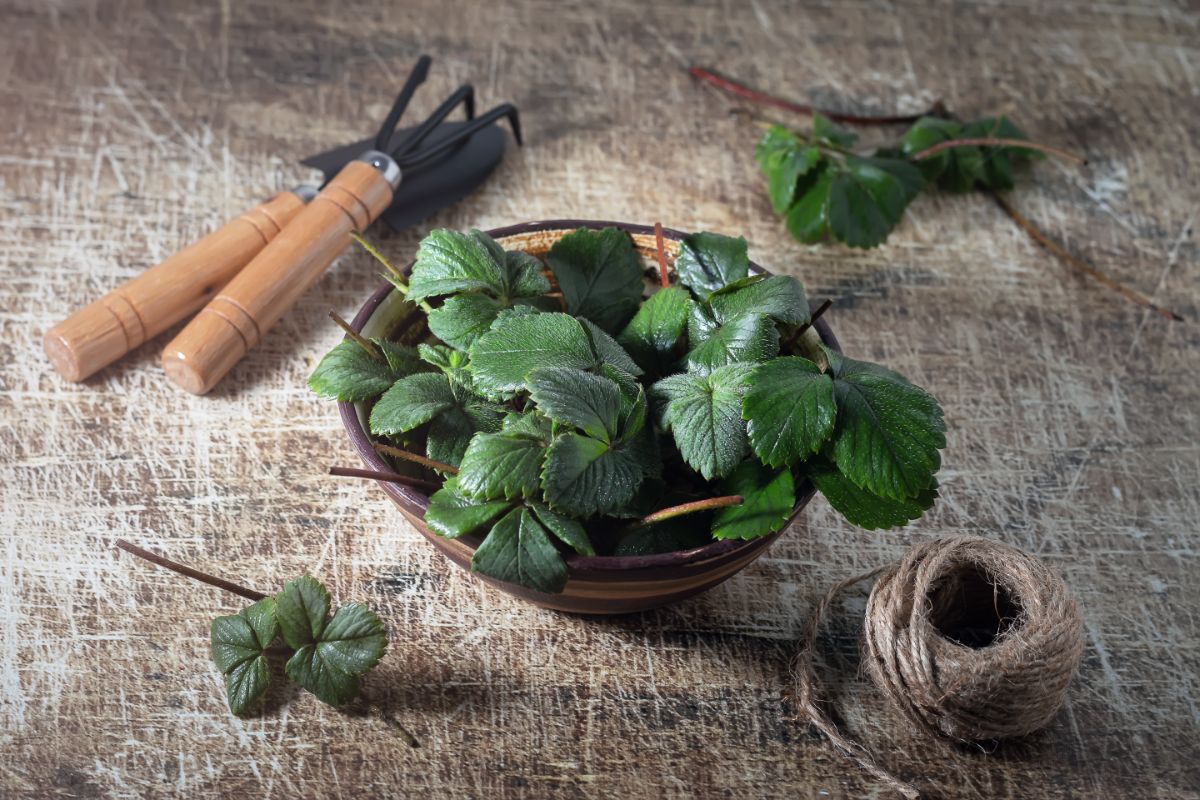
{"points": [[583, 476], [888, 432], [859, 506], [747, 337], [708, 261], [781, 297], [452, 514], [704, 414], [238, 646], [599, 274], [653, 334], [790, 410], [768, 497], [501, 466], [349, 373], [519, 550]]}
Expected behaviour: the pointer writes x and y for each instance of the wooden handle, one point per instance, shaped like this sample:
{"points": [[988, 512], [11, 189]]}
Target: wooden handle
{"points": [[140, 309], [238, 318]]}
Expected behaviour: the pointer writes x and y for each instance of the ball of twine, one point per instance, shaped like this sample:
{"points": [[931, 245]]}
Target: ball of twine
{"points": [[968, 638]]}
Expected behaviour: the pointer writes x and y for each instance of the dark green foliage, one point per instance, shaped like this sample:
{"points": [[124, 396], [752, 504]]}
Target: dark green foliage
{"points": [[826, 191], [330, 656], [566, 437]]}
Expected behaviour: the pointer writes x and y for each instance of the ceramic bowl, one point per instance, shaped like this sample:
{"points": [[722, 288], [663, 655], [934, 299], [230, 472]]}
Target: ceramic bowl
{"points": [[596, 584]]}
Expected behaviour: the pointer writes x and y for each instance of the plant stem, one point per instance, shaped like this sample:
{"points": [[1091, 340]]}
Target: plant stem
{"points": [[366, 344], [693, 507], [662, 256], [416, 459], [389, 477], [989, 141], [398, 279], [816, 315], [175, 566], [1078, 264], [741, 90]]}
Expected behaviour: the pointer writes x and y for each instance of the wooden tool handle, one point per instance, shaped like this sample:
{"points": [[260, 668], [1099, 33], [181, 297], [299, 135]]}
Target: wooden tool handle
{"points": [[140, 309], [237, 318]]}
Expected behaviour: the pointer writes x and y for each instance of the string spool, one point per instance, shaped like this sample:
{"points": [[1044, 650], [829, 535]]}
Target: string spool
{"points": [[968, 638]]}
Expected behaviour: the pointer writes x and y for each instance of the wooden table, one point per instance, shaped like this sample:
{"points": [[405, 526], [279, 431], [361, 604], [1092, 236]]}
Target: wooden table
{"points": [[131, 128]]}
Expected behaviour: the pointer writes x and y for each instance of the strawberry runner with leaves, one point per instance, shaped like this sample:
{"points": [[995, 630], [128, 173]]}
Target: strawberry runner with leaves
{"points": [[582, 416]]}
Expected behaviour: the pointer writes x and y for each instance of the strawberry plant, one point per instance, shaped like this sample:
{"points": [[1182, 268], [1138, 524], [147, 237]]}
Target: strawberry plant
{"points": [[564, 407]]}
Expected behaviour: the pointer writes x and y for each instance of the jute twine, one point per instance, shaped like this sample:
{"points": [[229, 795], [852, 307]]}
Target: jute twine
{"points": [[1023, 634]]}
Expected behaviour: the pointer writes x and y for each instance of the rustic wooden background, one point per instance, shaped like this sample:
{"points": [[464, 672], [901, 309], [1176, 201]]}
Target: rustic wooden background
{"points": [[131, 128]]}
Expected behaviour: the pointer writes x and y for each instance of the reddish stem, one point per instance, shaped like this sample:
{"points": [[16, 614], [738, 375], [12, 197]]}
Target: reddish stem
{"points": [[662, 256], [416, 459], [989, 141], [390, 477], [691, 508], [1078, 264], [741, 90], [366, 344], [195, 574]]}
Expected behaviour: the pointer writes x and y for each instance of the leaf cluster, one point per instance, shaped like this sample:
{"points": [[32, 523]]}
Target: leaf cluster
{"points": [[826, 190], [329, 653], [571, 406]]}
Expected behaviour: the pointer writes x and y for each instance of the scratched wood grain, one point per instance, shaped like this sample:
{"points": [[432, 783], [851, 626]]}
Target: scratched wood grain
{"points": [[130, 128]]}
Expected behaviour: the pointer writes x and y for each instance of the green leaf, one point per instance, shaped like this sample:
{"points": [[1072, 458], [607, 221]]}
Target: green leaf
{"points": [[502, 357], [669, 536], [349, 372], [808, 221], [859, 506], [519, 550], [768, 497], [869, 196], [411, 402], [888, 432], [999, 161], [704, 413], [237, 644], [463, 318], [577, 398], [790, 410], [452, 513], [451, 431], [568, 531], [708, 261], [781, 297], [746, 337], [857, 202], [584, 476], [824, 128], [600, 275], [784, 160], [501, 465], [352, 643], [445, 358], [449, 262], [957, 169], [524, 276], [531, 424], [302, 608], [607, 350], [654, 332], [701, 322]]}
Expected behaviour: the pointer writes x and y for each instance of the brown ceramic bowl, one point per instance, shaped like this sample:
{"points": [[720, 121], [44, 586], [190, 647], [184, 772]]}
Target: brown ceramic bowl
{"points": [[596, 584]]}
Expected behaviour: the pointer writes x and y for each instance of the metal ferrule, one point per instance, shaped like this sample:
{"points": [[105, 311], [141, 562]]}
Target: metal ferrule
{"points": [[305, 191], [385, 164]]}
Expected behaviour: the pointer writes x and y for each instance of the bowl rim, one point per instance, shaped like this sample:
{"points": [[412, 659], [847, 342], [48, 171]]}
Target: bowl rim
{"points": [[415, 502]]}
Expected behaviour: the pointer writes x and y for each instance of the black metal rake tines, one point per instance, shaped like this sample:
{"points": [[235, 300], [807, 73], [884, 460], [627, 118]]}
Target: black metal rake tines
{"points": [[408, 153]]}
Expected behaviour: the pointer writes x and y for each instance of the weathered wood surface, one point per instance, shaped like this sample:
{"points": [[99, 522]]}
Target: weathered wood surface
{"points": [[130, 129]]}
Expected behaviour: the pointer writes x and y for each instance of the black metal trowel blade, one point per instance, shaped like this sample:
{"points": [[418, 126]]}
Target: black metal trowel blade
{"points": [[427, 189]]}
